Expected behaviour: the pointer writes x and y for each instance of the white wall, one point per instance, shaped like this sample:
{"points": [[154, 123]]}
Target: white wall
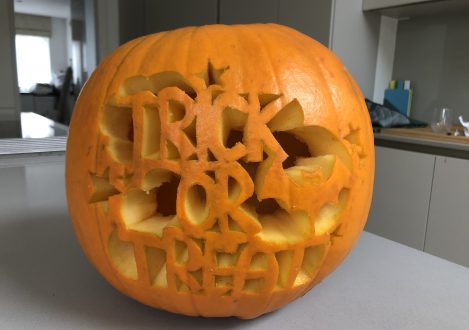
{"points": [[355, 40], [90, 38], [58, 45], [385, 58], [9, 97]]}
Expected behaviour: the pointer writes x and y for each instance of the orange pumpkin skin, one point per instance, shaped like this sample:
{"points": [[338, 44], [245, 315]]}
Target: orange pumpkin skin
{"points": [[219, 170]]}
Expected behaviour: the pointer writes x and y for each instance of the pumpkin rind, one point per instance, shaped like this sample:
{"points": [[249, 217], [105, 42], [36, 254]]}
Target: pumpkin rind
{"points": [[219, 170]]}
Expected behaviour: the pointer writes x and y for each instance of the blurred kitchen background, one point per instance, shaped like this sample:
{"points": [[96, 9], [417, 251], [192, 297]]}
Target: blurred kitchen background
{"points": [[48, 48]]}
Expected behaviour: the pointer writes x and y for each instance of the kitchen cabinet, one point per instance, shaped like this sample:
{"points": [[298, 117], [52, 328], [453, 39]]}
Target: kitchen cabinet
{"points": [[167, 15], [402, 189], [312, 17], [422, 200], [448, 218], [380, 4], [141, 17], [248, 11], [413, 8], [340, 25]]}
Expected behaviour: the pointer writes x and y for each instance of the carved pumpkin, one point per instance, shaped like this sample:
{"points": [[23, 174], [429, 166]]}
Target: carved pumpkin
{"points": [[219, 170]]}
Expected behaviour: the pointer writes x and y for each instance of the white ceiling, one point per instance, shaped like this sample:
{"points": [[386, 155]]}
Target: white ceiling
{"points": [[52, 8]]}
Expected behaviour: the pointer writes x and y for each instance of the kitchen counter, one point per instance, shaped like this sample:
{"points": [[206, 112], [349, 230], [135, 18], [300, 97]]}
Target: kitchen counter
{"points": [[423, 140], [46, 282]]}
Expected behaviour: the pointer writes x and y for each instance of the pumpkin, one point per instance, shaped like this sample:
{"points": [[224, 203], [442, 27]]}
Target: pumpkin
{"points": [[219, 170]]}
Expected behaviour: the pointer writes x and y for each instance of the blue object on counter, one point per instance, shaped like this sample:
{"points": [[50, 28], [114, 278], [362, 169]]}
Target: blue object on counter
{"points": [[399, 97]]}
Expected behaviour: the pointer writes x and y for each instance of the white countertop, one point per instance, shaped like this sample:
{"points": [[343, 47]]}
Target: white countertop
{"points": [[46, 282]]}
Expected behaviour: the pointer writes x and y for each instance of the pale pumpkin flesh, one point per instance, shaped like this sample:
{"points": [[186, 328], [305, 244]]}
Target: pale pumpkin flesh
{"points": [[219, 170]]}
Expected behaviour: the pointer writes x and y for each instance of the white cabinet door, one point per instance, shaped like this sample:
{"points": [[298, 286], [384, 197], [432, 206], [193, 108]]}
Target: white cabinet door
{"points": [[448, 220], [312, 17], [248, 11], [381, 4], [401, 196], [167, 15]]}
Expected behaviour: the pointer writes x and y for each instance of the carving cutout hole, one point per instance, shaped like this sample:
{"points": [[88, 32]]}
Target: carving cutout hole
{"points": [[289, 117], [212, 76], [234, 188], [193, 157], [312, 260], [138, 205], [172, 152], [211, 174], [322, 142], [151, 211], [155, 178], [233, 123], [198, 276], [254, 285], [233, 138], [117, 122], [215, 228], [265, 99], [210, 156], [294, 147], [166, 196], [283, 227], [196, 204], [121, 150], [180, 285], [258, 261], [200, 244], [181, 252], [216, 93], [250, 168], [102, 188], [329, 214], [285, 262], [321, 164], [151, 132], [223, 281], [226, 260], [176, 111], [122, 256], [156, 261], [268, 206], [171, 79], [354, 136], [245, 96], [155, 83], [134, 85], [233, 225]]}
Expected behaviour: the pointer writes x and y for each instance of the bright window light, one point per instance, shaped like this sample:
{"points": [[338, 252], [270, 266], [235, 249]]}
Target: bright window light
{"points": [[33, 61]]}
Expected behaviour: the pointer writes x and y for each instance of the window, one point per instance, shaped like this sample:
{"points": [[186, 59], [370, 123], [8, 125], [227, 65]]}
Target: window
{"points": [[33, 61]]}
